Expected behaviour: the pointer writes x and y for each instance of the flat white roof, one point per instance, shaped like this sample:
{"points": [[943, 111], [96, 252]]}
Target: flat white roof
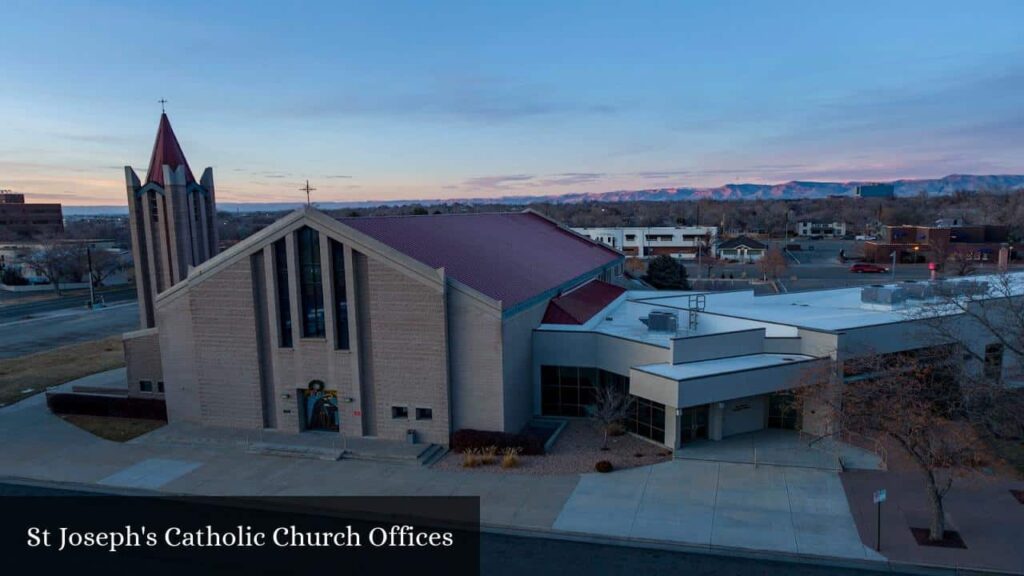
{"points": [[705, 368], [828, 310]]}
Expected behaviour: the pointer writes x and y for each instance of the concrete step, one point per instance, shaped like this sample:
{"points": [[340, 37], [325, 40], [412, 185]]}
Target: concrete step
{"points": [[293, 451], [381, 453], [431, 456]]}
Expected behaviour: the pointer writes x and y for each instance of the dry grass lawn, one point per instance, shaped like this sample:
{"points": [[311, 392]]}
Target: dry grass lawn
{"points": [[27, 375], [111, 428]]}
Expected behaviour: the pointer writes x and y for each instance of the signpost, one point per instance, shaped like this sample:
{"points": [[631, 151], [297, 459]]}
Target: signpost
{"points": [[879, 497]]}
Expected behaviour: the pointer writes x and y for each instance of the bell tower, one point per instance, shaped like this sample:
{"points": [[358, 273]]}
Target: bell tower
{"points": [[173, 220]]}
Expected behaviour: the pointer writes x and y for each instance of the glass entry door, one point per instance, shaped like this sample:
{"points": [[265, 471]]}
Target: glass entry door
{"points": [[693, 424]]}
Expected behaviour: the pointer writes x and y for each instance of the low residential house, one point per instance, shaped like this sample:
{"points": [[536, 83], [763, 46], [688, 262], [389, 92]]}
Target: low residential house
{"points": [[741, 249]]}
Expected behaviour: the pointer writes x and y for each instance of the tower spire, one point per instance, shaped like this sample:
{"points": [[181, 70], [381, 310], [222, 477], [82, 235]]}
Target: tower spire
{"points": [[166, 151]]}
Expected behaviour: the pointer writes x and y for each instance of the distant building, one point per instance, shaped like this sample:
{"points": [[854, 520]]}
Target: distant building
{"points": [[741, 249], [677, 241], [829, 229], [28, 220], [949, 222], [875, 191], [928, 243]]}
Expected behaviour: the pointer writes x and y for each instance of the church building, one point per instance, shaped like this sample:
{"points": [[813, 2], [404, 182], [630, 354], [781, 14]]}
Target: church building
{"points": [[382, 326], [369, 326]]}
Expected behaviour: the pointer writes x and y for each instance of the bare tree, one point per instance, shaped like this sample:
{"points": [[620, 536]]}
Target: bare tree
{"points": [[941, 248], [56, 261], [963, 263], [105, 264], [611, 406], [912, 399], [773, 264]]}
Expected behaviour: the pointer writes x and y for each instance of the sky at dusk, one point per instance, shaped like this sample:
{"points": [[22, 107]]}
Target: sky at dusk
{"points": [[417, 100]]}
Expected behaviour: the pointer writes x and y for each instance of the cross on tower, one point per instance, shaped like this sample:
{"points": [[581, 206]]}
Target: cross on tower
{"points": [[162, 102], [307, 190]]}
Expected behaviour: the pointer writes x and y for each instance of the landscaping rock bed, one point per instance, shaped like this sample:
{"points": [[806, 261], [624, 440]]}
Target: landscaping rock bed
{"points": [[576, 451]]}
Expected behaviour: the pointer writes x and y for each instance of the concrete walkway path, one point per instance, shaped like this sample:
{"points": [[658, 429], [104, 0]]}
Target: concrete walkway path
{"points": [[781, 448], [38, 445], [793, 510], [702, 503]]}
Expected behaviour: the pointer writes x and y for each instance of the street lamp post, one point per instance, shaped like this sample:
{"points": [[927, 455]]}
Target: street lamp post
{"points": [[92, 294]]}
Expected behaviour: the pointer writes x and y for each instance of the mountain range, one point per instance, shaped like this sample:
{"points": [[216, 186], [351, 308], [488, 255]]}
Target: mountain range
{"points": [[785, 191]]}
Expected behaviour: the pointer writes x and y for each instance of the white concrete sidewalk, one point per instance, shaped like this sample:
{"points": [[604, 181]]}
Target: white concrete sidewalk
{"points": [[781, 448], [796, 510], [692, 502]]}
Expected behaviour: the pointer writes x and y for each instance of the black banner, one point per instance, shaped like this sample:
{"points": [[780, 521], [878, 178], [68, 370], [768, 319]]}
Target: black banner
{"points": [[194, 536]]}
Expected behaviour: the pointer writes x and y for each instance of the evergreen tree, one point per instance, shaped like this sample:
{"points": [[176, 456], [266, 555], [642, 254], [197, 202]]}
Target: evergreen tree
{"points": [[665, 273]]}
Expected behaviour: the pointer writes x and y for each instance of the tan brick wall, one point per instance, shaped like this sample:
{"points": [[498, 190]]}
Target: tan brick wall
{"points": [[177, 352], [407, 353], [224, 332], [517, 354], [142, 361], [474, 334]]}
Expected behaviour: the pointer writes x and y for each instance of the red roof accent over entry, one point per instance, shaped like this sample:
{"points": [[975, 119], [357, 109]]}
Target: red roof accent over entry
{"points": [[511, 257], [580, 305], [166, 151]]}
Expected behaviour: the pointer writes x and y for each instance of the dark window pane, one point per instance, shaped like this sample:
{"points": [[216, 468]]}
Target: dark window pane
{"points": [[549, 375], [569, 375], [338, 284], [311, 287], [284, 303], [588, 377], [570, 395]]}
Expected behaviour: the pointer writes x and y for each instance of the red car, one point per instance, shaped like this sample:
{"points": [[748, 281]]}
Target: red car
{"points": [[868, 268]]}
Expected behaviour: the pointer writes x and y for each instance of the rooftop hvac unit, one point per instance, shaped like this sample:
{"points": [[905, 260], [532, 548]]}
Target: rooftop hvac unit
{"points": [[919, 291], [961, 288], [661, 321], [883, 295]]}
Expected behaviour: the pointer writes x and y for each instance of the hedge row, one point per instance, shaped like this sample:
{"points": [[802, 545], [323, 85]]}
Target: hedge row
{"points": [[467, 439], [96, 405]]}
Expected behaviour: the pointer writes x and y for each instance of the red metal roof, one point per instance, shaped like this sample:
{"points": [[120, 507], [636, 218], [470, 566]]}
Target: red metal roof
{"points": [[510, 257], [166, 151], [580, 304]]}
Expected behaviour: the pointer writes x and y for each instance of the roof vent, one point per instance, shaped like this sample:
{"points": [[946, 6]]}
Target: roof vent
{"points": [[661, 321]]}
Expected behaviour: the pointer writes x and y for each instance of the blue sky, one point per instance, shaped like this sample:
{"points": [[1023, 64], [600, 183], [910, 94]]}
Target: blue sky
{"points": [[407, 100]]}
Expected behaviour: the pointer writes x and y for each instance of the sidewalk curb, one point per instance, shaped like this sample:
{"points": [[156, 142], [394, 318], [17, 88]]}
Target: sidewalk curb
{"points": [[736, 552]]}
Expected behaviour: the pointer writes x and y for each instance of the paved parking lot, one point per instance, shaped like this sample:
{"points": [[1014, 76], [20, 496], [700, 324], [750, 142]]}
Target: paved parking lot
{"points": [[787, 509]]}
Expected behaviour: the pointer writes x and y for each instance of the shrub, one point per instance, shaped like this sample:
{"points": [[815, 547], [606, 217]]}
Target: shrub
{"points": [[117, 406], [604, 467], [467, 439], [470, 458], [510, 458], [489, 455]]}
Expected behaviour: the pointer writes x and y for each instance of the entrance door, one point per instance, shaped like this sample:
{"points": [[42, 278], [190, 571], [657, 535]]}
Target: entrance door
{"points": [[693, 424], [320, 408], [781, 411]]}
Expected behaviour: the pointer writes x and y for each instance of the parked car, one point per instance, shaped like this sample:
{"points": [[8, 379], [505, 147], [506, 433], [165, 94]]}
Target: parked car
{"points": [[864, 267], [865, 237]]}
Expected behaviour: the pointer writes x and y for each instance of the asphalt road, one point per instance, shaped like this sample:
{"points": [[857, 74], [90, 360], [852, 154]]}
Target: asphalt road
{"points": [[11, 307], [514, 555], [61, 328]]}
